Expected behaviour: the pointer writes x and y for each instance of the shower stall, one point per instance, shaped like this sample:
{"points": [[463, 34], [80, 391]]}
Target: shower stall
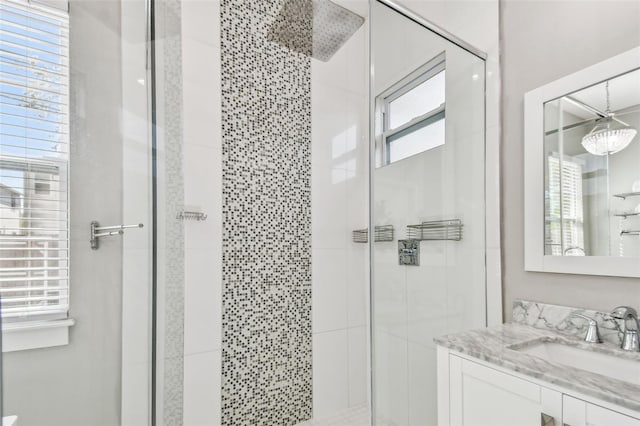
{"points": [[230, 212]]}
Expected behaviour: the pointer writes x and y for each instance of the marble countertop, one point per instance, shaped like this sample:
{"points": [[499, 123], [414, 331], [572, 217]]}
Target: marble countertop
{"points": [[496, 345]]}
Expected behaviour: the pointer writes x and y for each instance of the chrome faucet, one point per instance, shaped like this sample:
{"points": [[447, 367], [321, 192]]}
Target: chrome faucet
{"points": [[629, 316], [593, 334]]}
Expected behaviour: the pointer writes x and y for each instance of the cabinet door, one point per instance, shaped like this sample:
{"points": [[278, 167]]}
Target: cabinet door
{"points": [[482, 396], [576, 412]]}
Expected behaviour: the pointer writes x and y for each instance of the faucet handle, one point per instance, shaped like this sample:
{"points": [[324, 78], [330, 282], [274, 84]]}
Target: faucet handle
{"points": [[593, 333]]}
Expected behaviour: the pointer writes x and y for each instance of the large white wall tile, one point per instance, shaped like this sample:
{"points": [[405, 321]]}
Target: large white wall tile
{"points": [[390, 290], [339, 206], [357, 367], [203, 316], [202, 93], [202, 396], [391, 397], [328, 200], [201, 58], [330, 125], [357, 284], [136, 306], [330, 373], [427, 308], [329, 290], [421, 377], [135, 391], [202, 19], [203, 187]]}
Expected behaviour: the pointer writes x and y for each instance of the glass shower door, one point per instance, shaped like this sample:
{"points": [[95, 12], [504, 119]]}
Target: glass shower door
{"points": [[75, 166], [428, 183]]}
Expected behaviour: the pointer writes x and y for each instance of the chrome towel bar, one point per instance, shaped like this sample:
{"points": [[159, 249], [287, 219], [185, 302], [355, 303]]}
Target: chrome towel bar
{"points": [[98, 231]]}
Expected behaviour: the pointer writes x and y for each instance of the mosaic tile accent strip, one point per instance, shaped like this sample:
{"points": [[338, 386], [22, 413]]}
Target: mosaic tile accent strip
{"points": [[558, 318], [266, 275], [169, 52]]}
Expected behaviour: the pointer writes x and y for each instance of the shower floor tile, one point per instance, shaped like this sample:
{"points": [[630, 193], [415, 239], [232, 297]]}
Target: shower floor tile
{"points": [[354, 416]]}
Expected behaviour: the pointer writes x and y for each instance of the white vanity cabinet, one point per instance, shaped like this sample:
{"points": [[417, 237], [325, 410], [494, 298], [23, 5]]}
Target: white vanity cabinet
{"points": [[576, 412], [474, 393], [480, 395]]}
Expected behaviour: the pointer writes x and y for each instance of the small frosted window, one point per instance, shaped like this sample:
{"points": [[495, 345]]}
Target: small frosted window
{"points": [[412, 113], [418, 101], [421, 139]]}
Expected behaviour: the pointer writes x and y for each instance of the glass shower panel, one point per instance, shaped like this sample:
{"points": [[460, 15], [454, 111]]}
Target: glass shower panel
{"points": [[81, 71], [435, 200]]}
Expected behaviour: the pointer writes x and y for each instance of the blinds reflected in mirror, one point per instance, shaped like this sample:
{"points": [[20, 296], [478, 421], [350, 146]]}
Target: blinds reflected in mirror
{"points": [[564, 233]]}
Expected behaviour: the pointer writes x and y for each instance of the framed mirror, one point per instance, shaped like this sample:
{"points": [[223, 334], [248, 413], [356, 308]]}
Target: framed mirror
{"points": [[582, 171]]}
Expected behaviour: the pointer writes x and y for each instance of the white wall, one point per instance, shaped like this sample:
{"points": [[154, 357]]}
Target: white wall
{"points": [[539, 44], [203, 192], [339, 203]]}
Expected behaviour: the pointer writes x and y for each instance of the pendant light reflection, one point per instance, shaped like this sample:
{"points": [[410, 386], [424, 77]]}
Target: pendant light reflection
{"points": [[609, 135]]}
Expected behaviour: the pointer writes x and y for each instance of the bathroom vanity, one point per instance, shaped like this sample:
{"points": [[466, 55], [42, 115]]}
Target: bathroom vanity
{"points": [[537, 371]]}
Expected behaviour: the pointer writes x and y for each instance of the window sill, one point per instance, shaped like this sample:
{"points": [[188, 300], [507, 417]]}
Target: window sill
{"points": [[35, 334]]}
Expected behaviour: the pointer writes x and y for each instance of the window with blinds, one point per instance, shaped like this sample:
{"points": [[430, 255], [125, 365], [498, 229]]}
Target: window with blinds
{"points": [[34, 162], [564, 225]]}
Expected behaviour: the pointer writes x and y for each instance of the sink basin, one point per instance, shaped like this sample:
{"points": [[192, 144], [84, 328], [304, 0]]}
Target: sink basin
{"points": [[611, 366]]}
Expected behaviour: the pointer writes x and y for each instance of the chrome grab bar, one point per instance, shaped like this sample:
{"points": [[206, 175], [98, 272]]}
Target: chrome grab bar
{"points": [[98, 231]]}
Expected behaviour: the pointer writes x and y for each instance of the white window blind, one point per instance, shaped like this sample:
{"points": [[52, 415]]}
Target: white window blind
{"points": [[565, 213], [34, 162]]}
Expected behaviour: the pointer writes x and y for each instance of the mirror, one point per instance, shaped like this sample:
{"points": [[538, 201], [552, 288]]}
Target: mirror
{"points": [[592, 170], [582, 171]]}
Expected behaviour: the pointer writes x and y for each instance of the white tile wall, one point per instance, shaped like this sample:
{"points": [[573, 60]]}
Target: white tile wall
{"points": [[339, 193], [330, 373], [329, 289], [202, 389], [391, 384], [203, 189], [357, 366], [421, 369]]}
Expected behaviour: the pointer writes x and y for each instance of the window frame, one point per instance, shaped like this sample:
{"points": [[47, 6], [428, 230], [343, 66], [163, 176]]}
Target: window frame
{"points": [[386, 135], [42, 329]]}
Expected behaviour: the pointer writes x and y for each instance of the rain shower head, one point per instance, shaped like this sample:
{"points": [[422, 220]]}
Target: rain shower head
{"points": [[316, 28]]}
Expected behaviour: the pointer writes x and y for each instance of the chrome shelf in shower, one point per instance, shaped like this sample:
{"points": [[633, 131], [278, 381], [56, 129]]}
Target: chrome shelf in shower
{"points": [[437, 230], [381, 233], [630, 233]]}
